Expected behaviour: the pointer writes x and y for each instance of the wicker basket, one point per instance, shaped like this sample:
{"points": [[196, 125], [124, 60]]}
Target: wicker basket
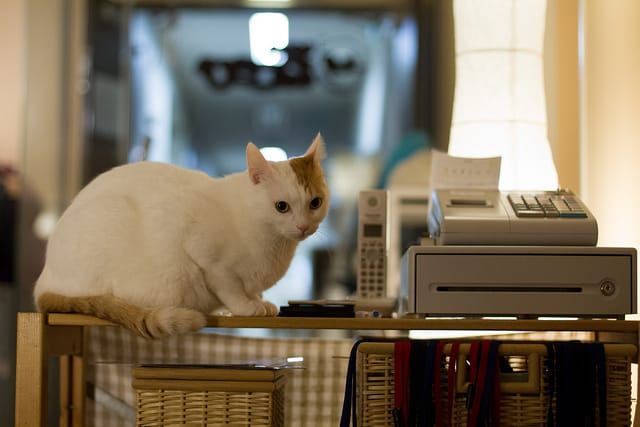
{"points": [[207, 396], [525, 395]]}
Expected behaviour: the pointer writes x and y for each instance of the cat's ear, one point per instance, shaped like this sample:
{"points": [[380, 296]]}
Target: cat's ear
{"points": [[258, 167], [317, 149]]}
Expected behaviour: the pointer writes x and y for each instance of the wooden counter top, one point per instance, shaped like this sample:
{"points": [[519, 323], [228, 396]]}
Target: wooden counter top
{"points": [[596, 325]]}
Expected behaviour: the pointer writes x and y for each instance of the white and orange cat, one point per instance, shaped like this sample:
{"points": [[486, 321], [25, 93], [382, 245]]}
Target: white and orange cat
{"points": [[155, 247]]}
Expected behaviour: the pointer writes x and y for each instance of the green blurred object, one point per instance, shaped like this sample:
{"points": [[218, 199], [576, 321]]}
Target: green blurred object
{"points": [[413, 142]]}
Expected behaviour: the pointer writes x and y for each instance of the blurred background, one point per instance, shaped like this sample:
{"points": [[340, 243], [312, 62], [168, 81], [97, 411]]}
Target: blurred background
{"points": [[91, 84], [108, 82], [191, 85]]}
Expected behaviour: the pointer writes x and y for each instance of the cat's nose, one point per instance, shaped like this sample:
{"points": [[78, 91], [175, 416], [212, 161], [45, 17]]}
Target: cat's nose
{"points": [[303, 228]]}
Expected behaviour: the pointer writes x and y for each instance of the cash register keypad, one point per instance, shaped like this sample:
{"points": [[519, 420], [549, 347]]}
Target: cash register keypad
{"points": [[551, 204]]}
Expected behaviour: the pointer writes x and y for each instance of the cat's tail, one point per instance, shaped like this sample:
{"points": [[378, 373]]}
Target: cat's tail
{"points": [[148, 322]]}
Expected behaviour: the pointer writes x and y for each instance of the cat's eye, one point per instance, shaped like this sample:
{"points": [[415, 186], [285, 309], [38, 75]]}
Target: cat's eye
{"points": [[315, 203], [282, 206]]}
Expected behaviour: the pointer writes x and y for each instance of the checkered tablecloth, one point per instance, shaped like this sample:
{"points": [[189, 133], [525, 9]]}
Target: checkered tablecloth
{"points": [[314, 394]]}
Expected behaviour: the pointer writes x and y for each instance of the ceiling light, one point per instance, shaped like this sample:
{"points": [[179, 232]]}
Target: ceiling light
{"points": [[274, 154], [268, 36]]}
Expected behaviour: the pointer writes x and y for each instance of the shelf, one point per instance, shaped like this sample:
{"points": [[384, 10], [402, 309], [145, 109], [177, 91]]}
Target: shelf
{"points": [[42, 336], [596, 325]]}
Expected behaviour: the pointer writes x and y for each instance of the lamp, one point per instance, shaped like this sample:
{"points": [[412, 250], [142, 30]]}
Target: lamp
{"points": [[499, 100]]}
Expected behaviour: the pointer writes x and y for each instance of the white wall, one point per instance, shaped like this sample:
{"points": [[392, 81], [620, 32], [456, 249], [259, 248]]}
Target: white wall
{"points": [[12, 41], [610, 142], [611, 119]]}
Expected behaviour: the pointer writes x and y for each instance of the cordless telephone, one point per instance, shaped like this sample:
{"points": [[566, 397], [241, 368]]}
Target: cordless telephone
{"points": [[373, 243]]}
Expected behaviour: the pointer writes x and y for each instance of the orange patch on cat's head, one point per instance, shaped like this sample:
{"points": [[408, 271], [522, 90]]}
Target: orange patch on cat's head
{"points": [[308, 169], [309, 174]]}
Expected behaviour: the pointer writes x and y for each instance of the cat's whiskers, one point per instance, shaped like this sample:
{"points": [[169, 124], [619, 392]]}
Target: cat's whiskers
{"points": [[321, 235], [324, 229]]}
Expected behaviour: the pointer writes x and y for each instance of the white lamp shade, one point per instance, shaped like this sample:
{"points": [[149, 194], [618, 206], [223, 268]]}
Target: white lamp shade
{"points": [[499, 101]]}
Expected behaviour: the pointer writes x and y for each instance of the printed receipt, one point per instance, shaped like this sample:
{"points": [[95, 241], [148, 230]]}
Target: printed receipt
{"points": [[448, 172]]}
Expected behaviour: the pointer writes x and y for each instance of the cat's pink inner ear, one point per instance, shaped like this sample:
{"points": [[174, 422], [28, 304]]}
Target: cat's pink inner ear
{"points": [[258, 167], [317, 148]]}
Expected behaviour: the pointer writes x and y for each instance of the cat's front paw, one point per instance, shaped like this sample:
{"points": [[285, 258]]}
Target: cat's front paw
{"points": [[271, 309], [260, 308]]}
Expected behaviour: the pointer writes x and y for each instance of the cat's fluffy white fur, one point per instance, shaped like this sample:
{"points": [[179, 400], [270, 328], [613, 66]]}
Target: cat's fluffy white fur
{"points": [[155, 247]]}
